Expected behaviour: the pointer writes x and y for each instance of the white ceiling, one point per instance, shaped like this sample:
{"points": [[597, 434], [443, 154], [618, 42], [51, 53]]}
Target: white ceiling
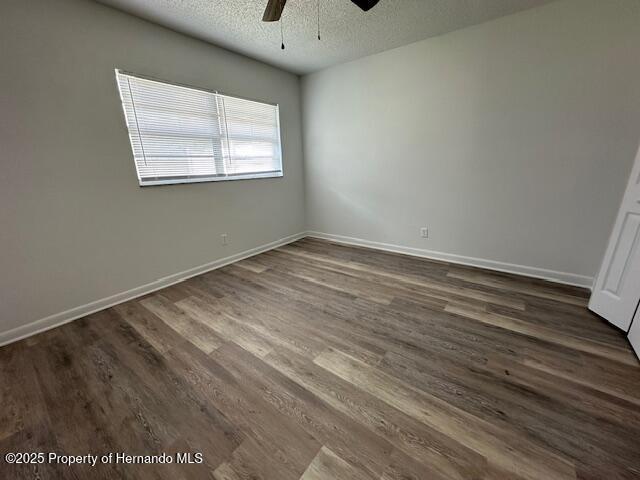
{"points": [[347, 32]]}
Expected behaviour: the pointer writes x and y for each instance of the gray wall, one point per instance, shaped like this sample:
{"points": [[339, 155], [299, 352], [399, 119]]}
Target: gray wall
{"points": [[74, 225], [511, 140]]}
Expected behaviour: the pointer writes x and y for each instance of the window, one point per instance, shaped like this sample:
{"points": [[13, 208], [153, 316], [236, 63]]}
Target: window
{"points": [[181, 134]]}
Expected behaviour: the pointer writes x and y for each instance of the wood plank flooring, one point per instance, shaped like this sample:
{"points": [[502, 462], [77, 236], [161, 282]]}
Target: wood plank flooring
{"points": [[317, 361]]}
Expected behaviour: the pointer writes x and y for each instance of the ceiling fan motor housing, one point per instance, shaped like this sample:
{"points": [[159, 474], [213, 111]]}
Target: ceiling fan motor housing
{"points": [[274, 8], [365, 4]]}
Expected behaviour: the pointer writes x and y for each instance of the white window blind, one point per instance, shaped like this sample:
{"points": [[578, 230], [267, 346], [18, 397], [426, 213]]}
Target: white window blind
{"points": [[182, 134]]}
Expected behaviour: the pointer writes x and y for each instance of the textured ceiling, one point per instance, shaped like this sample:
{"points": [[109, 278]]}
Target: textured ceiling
{"points": [[347, 31]]}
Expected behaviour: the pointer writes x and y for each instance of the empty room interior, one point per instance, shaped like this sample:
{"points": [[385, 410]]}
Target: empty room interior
{"points": [[320, 239]]}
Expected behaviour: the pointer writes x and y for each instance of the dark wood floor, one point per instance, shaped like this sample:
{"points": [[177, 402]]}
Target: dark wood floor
{"points": [[322, 362]]}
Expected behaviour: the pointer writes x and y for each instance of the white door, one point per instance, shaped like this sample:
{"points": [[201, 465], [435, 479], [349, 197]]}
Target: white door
{"points": [[616, 292], [634, 333]]}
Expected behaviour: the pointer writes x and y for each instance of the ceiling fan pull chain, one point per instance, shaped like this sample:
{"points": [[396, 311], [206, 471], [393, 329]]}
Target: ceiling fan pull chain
{"points": [[281, 35], [318, 5]]}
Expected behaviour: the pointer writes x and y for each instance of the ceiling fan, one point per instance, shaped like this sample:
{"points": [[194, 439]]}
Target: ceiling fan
{"points": [[274, 8]]}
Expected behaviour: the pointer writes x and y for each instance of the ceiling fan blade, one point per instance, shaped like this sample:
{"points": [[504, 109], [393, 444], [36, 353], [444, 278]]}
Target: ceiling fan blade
{"points": [[365, 4], [273, 11]]}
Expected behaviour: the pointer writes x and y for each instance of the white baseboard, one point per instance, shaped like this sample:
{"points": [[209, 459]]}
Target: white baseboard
{"points": [[551, 275], [61, 318]]}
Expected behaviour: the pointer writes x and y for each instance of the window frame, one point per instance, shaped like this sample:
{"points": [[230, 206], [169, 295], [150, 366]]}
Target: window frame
{"points": [[186, 179]]}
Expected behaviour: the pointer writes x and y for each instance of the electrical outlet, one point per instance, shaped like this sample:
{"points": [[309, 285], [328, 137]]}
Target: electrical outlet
{"points": [[424, 232], [224, 239]]}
